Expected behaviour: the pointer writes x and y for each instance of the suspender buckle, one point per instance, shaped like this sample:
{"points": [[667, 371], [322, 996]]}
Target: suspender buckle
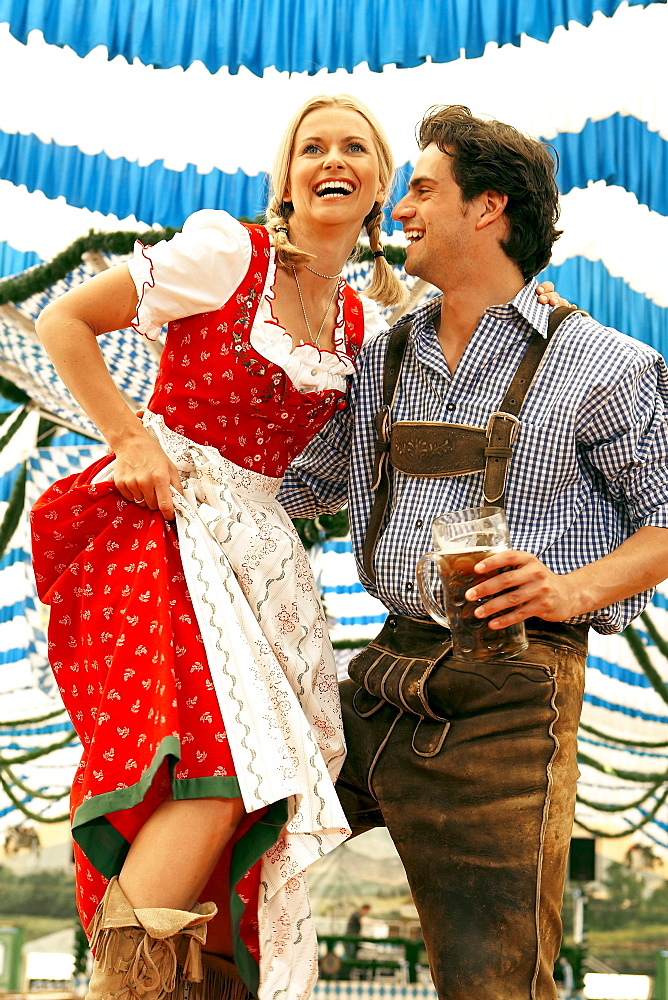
{"points": [[501, 415], [501, 432]]}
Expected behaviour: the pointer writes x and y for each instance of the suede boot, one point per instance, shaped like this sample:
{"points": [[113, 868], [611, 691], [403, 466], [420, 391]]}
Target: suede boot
{"points": [[135, 950], [220, 981]]}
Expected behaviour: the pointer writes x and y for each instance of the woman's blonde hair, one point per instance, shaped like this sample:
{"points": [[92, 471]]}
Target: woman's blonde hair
{"points": [[385, 287]]}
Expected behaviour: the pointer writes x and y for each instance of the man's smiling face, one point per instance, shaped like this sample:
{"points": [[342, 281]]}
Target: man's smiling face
{"points": [[437, 222]]}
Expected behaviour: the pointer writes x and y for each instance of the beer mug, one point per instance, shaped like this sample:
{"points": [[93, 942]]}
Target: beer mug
{"points": [[461, 539]]}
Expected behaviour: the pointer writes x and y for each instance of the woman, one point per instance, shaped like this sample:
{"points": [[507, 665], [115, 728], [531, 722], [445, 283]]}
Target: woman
{"points": [[192, 653]]}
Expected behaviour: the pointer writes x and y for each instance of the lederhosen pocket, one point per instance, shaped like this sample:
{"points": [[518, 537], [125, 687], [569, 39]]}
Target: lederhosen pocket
{"points": [[386, 673]]}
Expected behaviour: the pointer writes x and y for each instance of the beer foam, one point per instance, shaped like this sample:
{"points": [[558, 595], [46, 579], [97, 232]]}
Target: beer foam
{"points": [[452, 548]]}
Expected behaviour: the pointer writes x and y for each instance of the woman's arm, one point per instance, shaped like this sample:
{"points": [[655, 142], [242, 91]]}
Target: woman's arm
{"points": [[68, 329]]}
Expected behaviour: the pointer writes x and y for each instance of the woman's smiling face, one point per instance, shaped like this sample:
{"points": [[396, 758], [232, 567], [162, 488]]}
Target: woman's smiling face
{"points": [[334, 170]]}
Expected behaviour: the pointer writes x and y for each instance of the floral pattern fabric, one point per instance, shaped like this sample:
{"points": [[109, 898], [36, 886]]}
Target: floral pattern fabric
{"points": [[193, 655], [230, 378]]}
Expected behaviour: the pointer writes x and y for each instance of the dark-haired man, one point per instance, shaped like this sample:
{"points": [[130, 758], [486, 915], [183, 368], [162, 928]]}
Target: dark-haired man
{"points": [[473, 769]]}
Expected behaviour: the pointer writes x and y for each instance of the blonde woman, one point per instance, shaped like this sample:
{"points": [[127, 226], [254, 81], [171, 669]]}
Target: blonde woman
{"points": [[186, 633]]}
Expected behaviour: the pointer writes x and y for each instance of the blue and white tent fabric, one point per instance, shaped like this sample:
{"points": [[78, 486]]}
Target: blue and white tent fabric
{"points": [[623, 739], [39, 749], [131, 115], [133, 360]]}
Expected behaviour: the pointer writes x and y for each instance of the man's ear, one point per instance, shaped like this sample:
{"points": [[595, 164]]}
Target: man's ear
{"points": [[491, 206]]}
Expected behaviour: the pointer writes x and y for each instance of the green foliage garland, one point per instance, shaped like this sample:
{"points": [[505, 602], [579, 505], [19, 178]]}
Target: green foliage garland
{"points": [[39, 751], [38, 279], [644, 777], [654, 634], [32, 792], [14, 509], [32, 721], [627, 741], [9, 434], [22, 807], [610, 808], [641, 655], [11, 391], [349, 644], [631, 828], [656, 780]]}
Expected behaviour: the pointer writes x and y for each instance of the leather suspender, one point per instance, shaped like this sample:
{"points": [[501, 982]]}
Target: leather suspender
{"points": [[434, 449]]}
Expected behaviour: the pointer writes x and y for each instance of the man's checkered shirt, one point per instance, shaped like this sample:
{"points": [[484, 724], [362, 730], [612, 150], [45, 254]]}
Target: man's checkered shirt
{"points": [[590, 463]]}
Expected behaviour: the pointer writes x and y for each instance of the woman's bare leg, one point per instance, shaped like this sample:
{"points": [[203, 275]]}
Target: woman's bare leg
{"points": [[174, 854]]}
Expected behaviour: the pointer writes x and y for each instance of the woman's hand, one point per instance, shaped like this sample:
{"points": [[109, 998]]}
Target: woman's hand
{"points": [[546, 294], [144, 474]]}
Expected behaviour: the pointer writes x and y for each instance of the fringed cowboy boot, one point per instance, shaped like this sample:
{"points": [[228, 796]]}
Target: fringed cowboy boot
{"points": [[135, 950], [220, 981]]}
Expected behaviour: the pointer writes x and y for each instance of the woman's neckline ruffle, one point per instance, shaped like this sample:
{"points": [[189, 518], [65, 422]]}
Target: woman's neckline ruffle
{"points": [[309, 368]]}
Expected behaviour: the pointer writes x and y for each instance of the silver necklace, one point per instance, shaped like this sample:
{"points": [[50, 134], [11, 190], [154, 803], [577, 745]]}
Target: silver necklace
{"points": [[314, 340], [329, 276]]}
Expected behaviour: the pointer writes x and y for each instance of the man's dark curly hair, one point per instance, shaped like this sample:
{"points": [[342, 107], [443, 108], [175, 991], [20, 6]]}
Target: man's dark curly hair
{"points": [[491, 156]]}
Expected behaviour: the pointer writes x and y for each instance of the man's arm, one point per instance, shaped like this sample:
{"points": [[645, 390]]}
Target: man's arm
{"points": [[317, 480], [625, 439], [640, 562]]}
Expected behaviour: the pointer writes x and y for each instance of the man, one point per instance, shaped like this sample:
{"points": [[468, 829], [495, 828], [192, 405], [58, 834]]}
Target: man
{"points": [[480, 804], [354, 927]]}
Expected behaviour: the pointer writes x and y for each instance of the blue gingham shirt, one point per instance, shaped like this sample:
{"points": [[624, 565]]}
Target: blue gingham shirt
{"points": [[590, 463]]}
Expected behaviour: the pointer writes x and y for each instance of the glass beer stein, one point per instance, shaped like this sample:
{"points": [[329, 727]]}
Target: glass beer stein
{"points": [[461, 539]]}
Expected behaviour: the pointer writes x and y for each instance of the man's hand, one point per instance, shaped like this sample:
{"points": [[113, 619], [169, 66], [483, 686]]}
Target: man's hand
{"points": [[530, 589], [638, 564]]}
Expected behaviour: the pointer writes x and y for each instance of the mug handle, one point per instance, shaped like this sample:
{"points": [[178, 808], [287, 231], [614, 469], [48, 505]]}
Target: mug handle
{"points": [[422, 571]]}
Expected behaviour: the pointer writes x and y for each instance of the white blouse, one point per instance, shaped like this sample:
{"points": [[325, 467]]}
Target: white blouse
{"points": [[200, 268]]}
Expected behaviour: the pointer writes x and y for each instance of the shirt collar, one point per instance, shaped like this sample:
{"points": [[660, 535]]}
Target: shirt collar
{"points": [[525, 303]]}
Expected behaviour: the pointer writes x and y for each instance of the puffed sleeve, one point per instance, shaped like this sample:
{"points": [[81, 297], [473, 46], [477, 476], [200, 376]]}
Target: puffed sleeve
{"points": [[194, 272], [373, 321]]}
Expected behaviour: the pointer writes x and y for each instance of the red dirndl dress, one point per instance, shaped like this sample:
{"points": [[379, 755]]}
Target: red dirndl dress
{"points": [[137, 666]]}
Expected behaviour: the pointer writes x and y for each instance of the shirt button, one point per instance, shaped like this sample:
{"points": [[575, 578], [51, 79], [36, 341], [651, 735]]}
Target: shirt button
{"points": [[314, 371], [450, 406], [410, 586], [419, 524]]}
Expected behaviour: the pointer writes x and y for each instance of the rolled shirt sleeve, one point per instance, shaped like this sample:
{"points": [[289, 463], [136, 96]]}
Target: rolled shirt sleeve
{"points": [[626, 439]]}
